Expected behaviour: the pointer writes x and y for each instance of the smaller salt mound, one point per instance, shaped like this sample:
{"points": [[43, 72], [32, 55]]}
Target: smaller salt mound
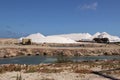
{"points": [[76, 36], [35, 36], [106, 35], [96, 35]]}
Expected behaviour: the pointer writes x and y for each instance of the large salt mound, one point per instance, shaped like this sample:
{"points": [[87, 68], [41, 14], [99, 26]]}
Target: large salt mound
{"points": [[76, 36], [70, 38], [39, 38], [57, 39]]}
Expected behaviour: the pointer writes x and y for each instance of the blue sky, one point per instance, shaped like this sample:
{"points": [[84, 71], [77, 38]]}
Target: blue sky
{"points": [[20, 17]]}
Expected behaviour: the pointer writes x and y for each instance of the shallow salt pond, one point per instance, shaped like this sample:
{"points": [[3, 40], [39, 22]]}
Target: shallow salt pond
{"points": [[45, 59]]}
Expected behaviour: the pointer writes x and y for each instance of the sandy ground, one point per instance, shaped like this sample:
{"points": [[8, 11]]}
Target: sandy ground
{"points": [[51, 76]]}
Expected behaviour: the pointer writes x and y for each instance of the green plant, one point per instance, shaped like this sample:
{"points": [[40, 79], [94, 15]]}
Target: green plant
{"points": [[32, 69], [62, 58]]}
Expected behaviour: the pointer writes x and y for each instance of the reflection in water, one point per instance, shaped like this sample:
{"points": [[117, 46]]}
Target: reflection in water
{"points": [[44, 59]]}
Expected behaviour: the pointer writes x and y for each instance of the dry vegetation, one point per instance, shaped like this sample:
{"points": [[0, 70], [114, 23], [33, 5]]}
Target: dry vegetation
{"points": [[11, 48], [8, 41], [77, 67], [76, 70]]}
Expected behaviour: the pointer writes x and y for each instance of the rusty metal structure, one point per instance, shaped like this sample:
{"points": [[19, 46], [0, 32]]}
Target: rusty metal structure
{"points": [[26, 41]]}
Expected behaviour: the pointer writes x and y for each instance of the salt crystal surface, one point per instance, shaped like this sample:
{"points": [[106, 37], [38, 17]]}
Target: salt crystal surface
{"points": [[70, 38], [76, 36], [39, 38]]}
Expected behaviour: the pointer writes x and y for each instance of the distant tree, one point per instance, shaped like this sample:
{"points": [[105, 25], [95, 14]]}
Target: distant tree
{"points": [[98, 40], [105, 40], [101, 40]]}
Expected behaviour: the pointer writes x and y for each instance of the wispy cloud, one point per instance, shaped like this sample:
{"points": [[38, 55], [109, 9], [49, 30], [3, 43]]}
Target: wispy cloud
{"points": [[92, 6]]}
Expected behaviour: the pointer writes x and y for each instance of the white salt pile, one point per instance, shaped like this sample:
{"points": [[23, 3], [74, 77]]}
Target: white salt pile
{"points": [[106, 35], [37, 35], [88, 37], [77, 36], [96, 35], [57, 39], [39, 38], [70, 38]]}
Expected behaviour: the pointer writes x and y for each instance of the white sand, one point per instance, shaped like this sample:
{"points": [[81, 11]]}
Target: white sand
{"points": [[51, 76]]}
